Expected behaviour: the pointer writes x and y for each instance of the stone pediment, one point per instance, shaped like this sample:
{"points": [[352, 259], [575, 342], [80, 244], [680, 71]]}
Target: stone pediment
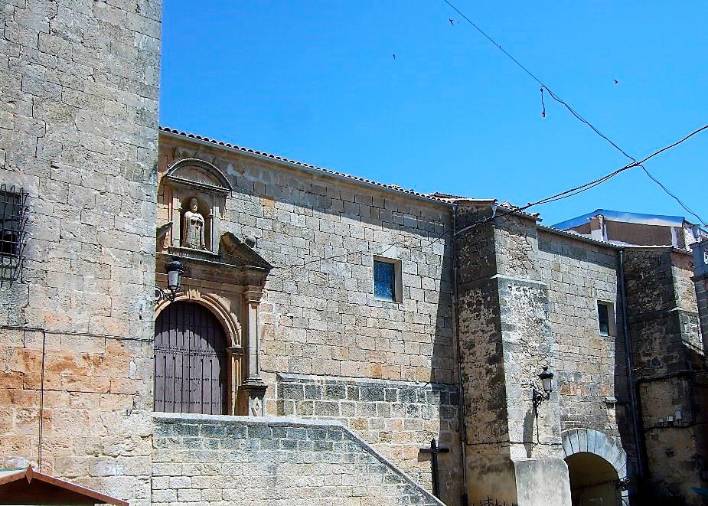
{"points": [[235, 264], [233, 256], [236, 252], [196, 173]]}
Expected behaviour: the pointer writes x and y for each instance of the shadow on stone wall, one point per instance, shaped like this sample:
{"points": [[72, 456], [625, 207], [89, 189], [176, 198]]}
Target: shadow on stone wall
{"points": [[450, 473]]}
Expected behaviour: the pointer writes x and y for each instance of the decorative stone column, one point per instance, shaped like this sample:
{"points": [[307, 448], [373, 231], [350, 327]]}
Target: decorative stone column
{"points": [[176, 219], [253, 387]]}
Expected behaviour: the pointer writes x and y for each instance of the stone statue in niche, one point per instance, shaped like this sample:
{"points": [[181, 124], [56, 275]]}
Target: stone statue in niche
{"points": [[193, 226]]}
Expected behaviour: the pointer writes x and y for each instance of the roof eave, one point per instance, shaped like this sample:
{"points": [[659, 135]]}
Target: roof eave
{"points": [[578, 237], [299, 166]]}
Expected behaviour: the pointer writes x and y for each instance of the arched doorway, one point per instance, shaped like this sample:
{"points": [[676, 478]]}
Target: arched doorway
{"points": [[190, 361], [597, 467], [593, 481]]}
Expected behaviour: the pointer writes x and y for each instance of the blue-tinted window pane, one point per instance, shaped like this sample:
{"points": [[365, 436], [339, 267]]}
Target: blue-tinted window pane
{"points": [[384, 280]]}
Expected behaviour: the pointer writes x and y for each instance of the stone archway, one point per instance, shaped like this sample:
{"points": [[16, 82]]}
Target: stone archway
{"points": [[597, 465], [224, 308], [191, 368], [221, 311]]}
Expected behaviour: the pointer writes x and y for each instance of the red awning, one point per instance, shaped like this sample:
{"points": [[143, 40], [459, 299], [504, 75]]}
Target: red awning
{"points": [[27, 486]]}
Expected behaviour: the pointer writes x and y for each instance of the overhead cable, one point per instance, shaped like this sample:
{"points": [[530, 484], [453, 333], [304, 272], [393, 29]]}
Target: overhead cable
{"points": [[573, 112]]}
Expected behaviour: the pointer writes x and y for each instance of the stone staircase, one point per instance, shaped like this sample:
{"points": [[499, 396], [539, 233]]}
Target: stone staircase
{"points": [[219, 460]]}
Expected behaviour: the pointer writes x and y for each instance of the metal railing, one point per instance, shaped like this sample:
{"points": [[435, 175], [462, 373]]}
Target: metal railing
{"points": [[13, 224]]}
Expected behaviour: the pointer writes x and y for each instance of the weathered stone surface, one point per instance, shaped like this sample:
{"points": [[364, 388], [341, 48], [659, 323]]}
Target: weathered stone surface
{"points": [[319, 313], [505, 340], [670, 361], [397, 418], [78, 131], [78, 121], [590, 367], [700, 271], [238, 460], [542, 482]]}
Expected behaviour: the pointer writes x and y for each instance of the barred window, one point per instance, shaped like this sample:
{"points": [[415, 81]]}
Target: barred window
{"points": [[12, 226], [10, 215]]}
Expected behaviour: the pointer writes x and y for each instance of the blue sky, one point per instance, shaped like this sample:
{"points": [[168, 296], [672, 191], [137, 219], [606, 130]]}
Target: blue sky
{"points": [[316, 81]]}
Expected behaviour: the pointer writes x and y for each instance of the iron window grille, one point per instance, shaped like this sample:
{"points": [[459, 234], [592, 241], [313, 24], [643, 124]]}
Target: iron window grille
{"points": [[13, 221]]}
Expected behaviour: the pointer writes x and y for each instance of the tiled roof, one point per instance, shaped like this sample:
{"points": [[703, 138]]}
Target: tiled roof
{"points": [[306, 166]]}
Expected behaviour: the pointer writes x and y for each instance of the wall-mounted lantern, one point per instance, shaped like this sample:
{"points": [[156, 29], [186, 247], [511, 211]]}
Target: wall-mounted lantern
{"points": [[174, 281], [539, 396]]}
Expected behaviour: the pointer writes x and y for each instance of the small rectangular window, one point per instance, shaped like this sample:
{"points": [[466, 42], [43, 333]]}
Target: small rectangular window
{"points": [[605, 318], [10, 218], [13, 216], [387, 285]]}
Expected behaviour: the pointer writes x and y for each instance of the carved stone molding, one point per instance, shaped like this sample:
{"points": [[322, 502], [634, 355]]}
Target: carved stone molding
{"points": [[195, 173], [253, 397], [194, 192], [230, 283], [229, 321]]}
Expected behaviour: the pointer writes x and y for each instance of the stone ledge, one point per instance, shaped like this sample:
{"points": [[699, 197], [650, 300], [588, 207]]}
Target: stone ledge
{"points": [[301, 378], [249, 420]]}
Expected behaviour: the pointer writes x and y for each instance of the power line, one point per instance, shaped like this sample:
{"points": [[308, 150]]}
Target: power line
{"points": [[674, 196], [572, 111], [533, 76], [514, 209], [552, 198], [590, 184]]}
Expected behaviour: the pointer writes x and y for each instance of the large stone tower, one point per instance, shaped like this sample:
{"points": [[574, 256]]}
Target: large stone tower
{"points": [[78, 149]]}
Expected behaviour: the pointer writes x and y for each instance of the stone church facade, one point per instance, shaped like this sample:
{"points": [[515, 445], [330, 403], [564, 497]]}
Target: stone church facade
{"points": [[326, 327]]}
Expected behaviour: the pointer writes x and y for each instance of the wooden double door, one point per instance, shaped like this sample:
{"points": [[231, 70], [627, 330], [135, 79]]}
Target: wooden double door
{"points": [[190, 361]]}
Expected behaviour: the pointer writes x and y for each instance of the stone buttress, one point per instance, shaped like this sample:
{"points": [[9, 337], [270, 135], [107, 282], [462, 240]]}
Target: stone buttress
{"points": [[513, 452]]}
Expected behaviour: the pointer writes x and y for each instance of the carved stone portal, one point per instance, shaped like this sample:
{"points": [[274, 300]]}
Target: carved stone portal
{"points": [[193, 195]]}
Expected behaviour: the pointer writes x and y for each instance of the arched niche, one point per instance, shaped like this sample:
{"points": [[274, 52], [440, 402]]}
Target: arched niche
{"points": [[191, 369], [193, 180], [224, 311], [197, 173], [229, 282]]}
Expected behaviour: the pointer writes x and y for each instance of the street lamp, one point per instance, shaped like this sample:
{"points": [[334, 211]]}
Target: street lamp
{"points": [[174, 281], [539, 396]]}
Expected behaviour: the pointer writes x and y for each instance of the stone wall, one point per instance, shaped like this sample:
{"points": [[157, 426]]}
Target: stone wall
{"points": [[505, 340], [700, 271], [318, 315], [591, 370], [78, 131], [397, 418], [662, 311], [201, 459], [671, 373], [702, 300], [686, 301]]}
